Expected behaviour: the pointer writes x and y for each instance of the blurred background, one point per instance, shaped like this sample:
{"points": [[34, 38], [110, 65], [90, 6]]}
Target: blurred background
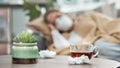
{"points": [[13, 16]]}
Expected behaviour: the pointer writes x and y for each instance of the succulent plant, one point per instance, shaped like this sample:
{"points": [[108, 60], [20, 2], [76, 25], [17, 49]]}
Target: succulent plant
{"points": [[25, 37]]}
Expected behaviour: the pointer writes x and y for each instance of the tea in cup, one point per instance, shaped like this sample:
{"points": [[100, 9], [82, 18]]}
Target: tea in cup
{"points": [[83, 52]]}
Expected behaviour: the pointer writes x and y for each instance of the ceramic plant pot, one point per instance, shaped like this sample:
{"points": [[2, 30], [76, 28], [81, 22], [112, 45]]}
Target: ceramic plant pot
{"points": [[24, 53]]}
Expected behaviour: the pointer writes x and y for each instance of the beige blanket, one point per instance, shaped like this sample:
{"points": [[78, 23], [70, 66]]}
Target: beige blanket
{"points": [[93, 26]]}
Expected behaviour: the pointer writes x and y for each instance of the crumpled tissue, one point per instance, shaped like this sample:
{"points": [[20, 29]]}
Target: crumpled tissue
{"points": [[78, 60], [47, 54]]}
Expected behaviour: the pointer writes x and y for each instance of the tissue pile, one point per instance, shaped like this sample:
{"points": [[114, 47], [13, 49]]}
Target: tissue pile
{"points": [[78, 60], [47, 54]]}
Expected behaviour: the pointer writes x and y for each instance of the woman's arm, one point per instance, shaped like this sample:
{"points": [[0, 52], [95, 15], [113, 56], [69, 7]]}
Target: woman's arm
{"points": [[59, 41]]}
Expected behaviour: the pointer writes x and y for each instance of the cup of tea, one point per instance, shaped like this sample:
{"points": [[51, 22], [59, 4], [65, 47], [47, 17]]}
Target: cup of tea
{"points": [[88, 50]]}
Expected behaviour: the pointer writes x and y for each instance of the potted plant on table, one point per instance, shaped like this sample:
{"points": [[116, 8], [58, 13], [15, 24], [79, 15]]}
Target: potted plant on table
{"points": [[24, 49]]}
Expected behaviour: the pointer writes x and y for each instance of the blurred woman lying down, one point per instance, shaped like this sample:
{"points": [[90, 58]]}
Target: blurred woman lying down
{"points": [[91, 27]]}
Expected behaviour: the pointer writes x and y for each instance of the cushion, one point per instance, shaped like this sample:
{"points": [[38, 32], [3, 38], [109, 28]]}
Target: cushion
{"points": [[108, 50]]}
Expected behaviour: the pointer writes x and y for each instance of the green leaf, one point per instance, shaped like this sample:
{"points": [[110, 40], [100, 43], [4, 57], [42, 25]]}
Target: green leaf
{"points": [[33, 12], [50, 3]]}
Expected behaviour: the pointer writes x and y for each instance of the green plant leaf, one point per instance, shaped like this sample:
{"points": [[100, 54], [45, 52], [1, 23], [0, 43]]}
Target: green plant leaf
{"points": [[50, 3], [33, 12]]}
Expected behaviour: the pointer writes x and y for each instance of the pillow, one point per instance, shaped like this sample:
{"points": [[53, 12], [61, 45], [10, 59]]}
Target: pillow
{"points": [[40, 26]]}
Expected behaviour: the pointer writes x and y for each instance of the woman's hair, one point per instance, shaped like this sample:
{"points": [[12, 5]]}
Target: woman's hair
{"points": [[47, 13]]}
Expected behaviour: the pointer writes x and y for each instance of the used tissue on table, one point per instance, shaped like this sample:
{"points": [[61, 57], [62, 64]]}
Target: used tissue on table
{"points": [[47, 54], [78, 60]]}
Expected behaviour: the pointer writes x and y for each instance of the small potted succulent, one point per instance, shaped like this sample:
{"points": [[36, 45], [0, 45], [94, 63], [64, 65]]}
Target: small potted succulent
{"points": [[24, 49]]}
